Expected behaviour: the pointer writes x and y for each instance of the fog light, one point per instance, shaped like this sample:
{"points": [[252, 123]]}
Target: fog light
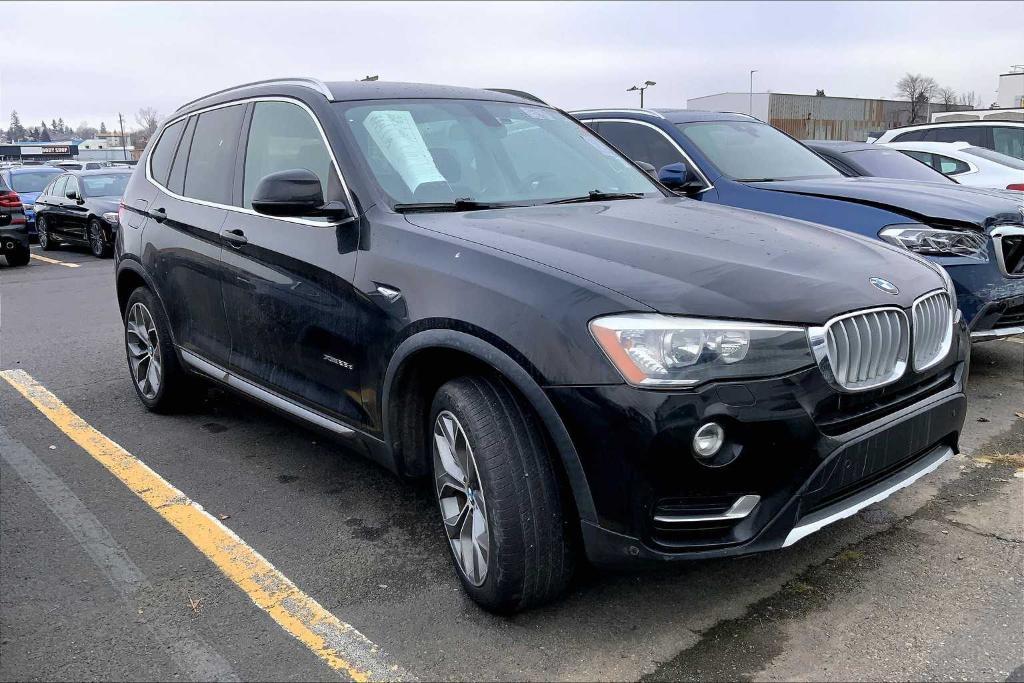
{"points": [[708, 440]]}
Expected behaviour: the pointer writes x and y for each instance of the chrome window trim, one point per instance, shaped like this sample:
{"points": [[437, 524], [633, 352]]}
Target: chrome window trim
{"points": [[239, 209], [947, 342], [817, 339], [998, 233], [668, 137], [618, 111]]}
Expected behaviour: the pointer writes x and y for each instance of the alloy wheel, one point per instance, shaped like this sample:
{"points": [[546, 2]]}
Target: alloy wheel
{"points": [[460, 495], [143, 350], [41, 234], [96, 238]]}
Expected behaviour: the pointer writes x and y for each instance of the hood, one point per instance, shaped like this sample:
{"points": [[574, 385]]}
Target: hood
{"points": [[685, 257], [100, 205], [924, 202]]}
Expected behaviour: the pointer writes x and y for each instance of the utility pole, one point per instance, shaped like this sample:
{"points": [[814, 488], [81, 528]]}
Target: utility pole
{"points": [[641, 88], [124, 147], [750, 105]]}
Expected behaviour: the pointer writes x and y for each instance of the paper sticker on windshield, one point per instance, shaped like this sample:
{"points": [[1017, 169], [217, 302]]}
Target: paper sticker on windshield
{"points": [[539, 113], [399, 139]]}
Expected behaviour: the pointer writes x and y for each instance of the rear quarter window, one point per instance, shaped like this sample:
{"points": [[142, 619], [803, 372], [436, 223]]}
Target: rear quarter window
{"points": [[163, 153]]}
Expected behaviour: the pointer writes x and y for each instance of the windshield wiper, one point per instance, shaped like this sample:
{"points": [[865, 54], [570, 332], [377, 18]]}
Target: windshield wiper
{"points": [[462, 204], [598, 196]]}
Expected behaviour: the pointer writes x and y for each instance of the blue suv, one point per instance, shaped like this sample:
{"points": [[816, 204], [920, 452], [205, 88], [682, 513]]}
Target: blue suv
{"points": [[28, 182], [735, 159]]}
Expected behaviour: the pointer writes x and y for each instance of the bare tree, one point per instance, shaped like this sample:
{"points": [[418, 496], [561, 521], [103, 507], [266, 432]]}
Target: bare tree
{"points": [[85, 131], [918, 90], [148, 119], [969, 99], [946, 96]]}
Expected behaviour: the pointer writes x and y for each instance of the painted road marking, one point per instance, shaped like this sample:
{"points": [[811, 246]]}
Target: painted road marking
{"points": [[47, 259], [193, 657], [338, 644]]}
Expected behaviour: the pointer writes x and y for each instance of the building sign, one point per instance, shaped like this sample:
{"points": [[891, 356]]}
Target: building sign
{"points": [[57, 150]]}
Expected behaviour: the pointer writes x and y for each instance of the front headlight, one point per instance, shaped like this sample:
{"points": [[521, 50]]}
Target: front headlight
{"points": [[937, 242], [653, 350], [111, 217]]}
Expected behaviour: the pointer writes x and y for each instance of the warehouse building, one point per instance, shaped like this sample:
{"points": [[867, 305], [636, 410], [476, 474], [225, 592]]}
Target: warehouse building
{"points": [[817, 117], [38, 151]]}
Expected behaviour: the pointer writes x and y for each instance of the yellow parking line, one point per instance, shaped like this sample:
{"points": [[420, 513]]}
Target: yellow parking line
{"points": [[47, 259], [338, 644]]}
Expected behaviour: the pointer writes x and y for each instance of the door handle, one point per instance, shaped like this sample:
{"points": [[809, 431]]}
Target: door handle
{"points": [[235, 238], [159, 215]]}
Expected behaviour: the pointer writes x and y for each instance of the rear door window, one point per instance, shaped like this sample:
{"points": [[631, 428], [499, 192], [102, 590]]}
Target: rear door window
{"points": [[911, 136], [163, 153], [951, 166], [211, 159], [974, 135]]}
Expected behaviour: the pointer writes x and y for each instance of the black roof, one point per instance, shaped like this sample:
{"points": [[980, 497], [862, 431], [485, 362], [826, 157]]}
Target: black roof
{"points": [[839, 146]]}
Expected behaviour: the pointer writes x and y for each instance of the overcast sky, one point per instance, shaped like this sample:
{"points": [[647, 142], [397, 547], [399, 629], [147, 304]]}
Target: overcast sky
{"points": [[86, 61]]}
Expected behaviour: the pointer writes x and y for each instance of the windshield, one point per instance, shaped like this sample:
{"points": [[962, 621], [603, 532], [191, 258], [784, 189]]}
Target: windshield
{"points": [[748, 151], [992, 155], [439, 151], [889, 163], [32, 181], [112, 185]]}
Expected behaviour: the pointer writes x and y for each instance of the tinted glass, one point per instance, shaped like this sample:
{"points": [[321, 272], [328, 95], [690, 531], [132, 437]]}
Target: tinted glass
{"points": [[755, 151], [163, 153], [282, 136], [951, 166], [641, 143], [72, 185], [911, 136], [974, 135], [176, 181], [1009, 141], [104, 185], [889, 163], [923, 157], [58, 187], [496, 152], [211, 159], [32, 181], [998, 158]]}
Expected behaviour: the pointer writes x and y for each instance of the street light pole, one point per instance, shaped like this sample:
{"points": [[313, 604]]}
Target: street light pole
{"points": [[641, 88], [124, 147], [750, 104]]}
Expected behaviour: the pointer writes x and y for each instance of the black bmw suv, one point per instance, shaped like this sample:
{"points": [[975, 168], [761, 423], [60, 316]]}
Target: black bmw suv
{"points": [[470, 287]]}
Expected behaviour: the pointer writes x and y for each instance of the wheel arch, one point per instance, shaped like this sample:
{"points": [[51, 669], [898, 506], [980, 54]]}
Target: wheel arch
{"points": [[424, 348]]}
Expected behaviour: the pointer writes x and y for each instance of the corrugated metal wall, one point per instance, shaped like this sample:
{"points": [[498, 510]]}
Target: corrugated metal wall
{"points": [[808, 117]]}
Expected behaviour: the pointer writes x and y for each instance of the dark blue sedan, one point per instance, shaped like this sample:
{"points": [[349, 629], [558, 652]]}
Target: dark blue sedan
{"points": [[735, 159], [28, 182]]}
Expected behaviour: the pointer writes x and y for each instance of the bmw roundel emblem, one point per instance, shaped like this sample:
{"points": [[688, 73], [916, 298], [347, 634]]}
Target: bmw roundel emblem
{"points": [[884, 285]]}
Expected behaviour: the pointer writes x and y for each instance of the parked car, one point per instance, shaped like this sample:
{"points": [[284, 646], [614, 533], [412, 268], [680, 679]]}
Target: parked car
{"points": [[28, 182], [857, 159], [1005, 137], [968, 165], [13, 232], [735, 159], [81, 208], [471, 287], [80, 165]]}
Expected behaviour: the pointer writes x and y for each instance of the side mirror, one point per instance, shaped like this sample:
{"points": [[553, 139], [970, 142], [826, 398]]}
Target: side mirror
{"points": [[648, 168], [295, 193], [680, 178], [73, 195]]}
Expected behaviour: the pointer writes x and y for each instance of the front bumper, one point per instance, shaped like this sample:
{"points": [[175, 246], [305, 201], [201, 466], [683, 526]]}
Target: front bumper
{"points": [[810, 456], [991, 303]]}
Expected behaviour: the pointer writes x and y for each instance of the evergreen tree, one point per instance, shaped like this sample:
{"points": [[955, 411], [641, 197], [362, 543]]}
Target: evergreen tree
{"points": [[103, 127], [44, 133], [16, 131]]}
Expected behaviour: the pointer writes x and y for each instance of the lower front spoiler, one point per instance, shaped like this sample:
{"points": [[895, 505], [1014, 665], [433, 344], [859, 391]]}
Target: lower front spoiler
{"points": [[791, 523]]}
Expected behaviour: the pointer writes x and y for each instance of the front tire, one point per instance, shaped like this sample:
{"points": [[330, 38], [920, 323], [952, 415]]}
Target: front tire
{"points": [[46, 242], [499, 496], [159, 380], [97, 242]]}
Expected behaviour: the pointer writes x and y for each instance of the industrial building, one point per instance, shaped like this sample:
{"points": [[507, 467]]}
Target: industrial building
{"points": [[817, 117], [38, 151]]}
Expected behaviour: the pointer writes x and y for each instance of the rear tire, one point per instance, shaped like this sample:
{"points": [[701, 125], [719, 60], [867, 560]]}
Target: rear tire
{"points": [[97, 242], [43, 234], [518, 555], [159, 380], [18, 257]]}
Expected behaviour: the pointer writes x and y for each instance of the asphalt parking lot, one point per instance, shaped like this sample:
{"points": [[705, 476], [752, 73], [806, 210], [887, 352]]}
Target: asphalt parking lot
{"points": [[95, 583]]}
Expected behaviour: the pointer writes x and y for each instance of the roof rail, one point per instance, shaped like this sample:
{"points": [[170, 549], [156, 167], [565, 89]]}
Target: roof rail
{"points": [[311, 83], [619, 110], [518, 93]]}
